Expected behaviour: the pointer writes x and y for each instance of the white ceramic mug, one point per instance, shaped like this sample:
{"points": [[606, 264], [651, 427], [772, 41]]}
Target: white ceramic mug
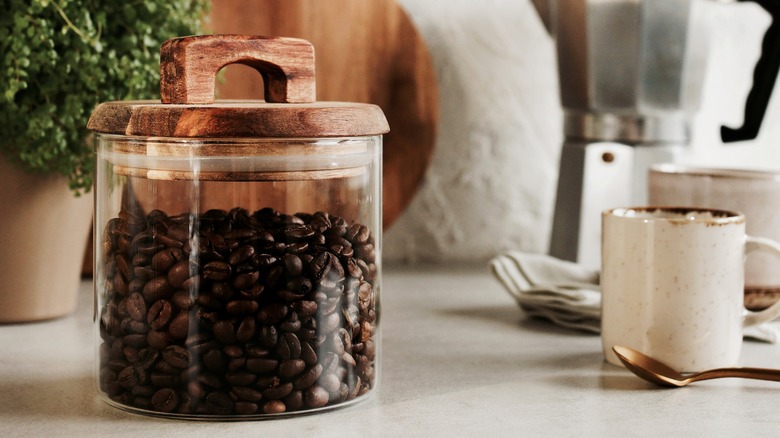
{"points": [[754, 193], [672, 284]]}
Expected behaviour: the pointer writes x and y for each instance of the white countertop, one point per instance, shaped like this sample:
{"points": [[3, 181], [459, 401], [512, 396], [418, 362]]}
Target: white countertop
{"points": [[458, 359]]}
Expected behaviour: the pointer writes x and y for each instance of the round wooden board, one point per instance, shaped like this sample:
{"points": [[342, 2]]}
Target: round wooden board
{"points": [[365, 51]]}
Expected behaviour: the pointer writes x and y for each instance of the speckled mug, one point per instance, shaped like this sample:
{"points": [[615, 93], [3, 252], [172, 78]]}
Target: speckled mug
{"points": [[672, 284]]}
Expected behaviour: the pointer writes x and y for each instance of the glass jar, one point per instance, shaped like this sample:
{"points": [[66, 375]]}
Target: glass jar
{"points": [[237, 255]]}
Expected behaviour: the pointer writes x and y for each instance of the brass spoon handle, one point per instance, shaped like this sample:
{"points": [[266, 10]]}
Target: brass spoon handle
{"points": [[745, 373]]}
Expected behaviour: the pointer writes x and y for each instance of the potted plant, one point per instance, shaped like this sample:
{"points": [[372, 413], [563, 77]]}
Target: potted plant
{"points": [[60, 58]]}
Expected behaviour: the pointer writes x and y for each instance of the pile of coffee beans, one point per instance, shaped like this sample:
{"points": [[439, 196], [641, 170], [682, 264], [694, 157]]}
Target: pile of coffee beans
{"points": [[231, 313]]}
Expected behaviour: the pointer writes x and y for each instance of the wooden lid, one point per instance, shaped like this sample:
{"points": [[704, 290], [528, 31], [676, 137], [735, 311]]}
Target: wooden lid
{"points": [[188, 68]]}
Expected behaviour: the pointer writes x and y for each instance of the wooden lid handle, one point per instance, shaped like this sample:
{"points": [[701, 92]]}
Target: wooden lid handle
{"points": [[189, 65]]}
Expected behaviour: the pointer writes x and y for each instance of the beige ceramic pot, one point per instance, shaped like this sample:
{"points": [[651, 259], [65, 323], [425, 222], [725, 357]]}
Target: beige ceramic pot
{"points": [[44, 236]]}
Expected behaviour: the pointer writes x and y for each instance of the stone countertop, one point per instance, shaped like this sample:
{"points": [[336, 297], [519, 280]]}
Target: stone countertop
{"points": [[458, 359]]}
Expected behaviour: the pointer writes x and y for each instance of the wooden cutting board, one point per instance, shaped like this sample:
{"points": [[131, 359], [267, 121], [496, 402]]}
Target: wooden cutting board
{"points": [[366, 51]]}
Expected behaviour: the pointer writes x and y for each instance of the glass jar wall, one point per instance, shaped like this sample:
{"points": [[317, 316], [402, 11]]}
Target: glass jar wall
{"points": [[237, 278]]}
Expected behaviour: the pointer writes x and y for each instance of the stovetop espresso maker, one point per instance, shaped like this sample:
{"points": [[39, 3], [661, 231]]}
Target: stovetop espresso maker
{"points": [[631, 74]]}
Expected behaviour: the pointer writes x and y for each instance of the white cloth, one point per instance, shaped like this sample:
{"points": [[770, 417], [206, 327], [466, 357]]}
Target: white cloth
{"points": [[566, 293]]}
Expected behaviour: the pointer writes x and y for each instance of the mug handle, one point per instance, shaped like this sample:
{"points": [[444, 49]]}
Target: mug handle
{"points": [[754, 318]]}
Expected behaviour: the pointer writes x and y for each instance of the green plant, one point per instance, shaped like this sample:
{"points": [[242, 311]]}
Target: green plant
{"points": [[62, 57]]}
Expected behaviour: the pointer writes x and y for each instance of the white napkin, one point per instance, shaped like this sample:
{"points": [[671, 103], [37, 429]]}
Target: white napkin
{"points": [[566, 293]]}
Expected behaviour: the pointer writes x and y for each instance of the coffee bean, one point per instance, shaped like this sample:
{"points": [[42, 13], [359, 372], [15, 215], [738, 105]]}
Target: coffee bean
{"points": [[177, 356], [308, 378], [274, 407], [158, 340], [246, 394], [245, 408], [219, 403], [240, 378], [225, 332], [242, 253], [179, 326], [291, 368], [315, 397], [157, 289], [217, 271], [294, 400], [136, 307], [272, 313], [289, 346], [180, 272], [246, 280], [293, 265], [242, 307], [163, 260], [246, 330], [261, 365], [165, 400], [214, 361], [159, 314], [130, 377], [163, 380], [277, 391]]}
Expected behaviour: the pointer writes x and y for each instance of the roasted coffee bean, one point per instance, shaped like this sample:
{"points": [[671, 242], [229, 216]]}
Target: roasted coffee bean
{"points": [[135, 340], [242, 307], [157, 289], [268, 336], [357, 234], [261, 364], [289, 346], [163, 260], [182, 300], [219, 403], [272, 313], [179, 326], [195, 390], [129, 326], [165, 400], [292, 324], [274, 407], [308, 378], [242, 253], [180, 272], [240, 378], [135, 286], [159, 314], [245, 408], [291, 368], [177, 356], [315, 397], [246, 394], [130, 377], [277, 391], [214, 361], [293, 265], [246, 329], [164, 380], [236, 363], [297, 232], [159, 340], [217, 271], [233, 351], [245, 280], [294, 400], [308, 354], [305, 308], [136, 307]]}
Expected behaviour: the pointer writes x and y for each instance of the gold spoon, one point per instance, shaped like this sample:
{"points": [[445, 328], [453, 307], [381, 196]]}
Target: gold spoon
{"points": [[661, 374]]}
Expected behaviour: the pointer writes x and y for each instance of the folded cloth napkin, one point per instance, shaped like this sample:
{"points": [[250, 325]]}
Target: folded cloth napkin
{"points": [[566, 293]]}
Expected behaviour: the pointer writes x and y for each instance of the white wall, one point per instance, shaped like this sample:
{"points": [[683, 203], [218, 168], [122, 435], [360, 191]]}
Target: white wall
{"points": [[491, 184]]}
